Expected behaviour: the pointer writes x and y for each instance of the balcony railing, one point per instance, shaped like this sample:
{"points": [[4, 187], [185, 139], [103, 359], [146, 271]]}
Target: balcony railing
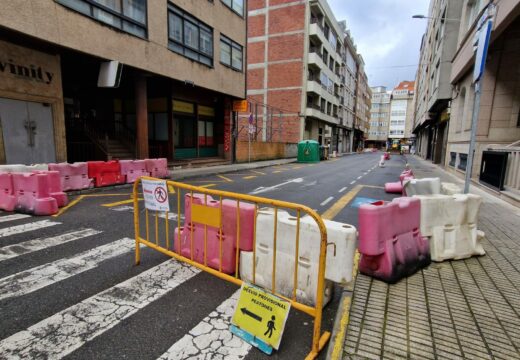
{"points": [[316, 50], [317, 21]]}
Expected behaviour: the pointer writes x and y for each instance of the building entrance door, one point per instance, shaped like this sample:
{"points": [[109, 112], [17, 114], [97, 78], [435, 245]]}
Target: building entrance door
{"points": [[28, 132]]}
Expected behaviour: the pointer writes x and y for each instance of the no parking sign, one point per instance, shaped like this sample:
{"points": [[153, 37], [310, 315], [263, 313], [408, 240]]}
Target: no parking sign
{"points": [[155, 195]]}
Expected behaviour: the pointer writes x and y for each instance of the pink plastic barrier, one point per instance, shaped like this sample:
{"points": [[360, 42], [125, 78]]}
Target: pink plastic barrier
{"points": [[73, 176], [7, 198], [406, 174], [55, 189], [387, 155], [105, 173], [32, 194], [157, 167], [390, 241], [132, 169], [394, 187]]}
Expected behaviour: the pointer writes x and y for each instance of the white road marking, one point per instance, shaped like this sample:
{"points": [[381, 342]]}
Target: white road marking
{"points": [[11, 251], [352, 182], [211, 337], [122, 208], [18, 229], [342, 189], [59, 335], [269, 188], [327, 200], [27, 281], [359, 177], [171, 215], [259, 188], [13, 217]]}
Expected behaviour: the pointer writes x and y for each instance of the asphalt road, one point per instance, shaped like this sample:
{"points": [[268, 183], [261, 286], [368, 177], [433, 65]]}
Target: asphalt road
{"points": [[69, 286]]}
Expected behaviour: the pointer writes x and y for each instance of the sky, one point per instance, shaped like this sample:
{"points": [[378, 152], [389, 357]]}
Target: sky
{"points": [[386, 36]]}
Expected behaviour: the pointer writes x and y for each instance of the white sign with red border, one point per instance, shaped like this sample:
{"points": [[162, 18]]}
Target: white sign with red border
{"points": [[155, 194]]}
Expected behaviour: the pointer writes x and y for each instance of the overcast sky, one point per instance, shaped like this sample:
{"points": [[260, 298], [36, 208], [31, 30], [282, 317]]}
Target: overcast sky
{"points": [[386, 36]]}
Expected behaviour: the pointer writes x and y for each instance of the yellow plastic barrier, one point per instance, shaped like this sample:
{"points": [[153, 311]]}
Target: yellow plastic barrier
{"points": [[212, 216]]}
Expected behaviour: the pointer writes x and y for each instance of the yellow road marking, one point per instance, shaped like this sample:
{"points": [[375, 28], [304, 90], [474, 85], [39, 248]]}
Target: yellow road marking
{"points": [[225, 178], [249, 177], [101, 195], [205, 181], [208, 185], [341, 203], [171, 189], [296, 167], [120, 202], [277, 171], [258, 172], [373, 186], [81, 197]]}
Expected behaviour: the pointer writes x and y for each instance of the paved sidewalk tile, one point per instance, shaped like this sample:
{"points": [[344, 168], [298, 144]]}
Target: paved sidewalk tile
{"points": [[465, 309]]}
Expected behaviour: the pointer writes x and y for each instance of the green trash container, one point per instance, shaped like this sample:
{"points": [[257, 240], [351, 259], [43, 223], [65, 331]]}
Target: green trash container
{"points": [[308, 151]]}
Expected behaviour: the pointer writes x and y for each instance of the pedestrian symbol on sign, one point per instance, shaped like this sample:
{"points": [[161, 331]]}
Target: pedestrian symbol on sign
{"points": [[270, 327], [160, 194]]}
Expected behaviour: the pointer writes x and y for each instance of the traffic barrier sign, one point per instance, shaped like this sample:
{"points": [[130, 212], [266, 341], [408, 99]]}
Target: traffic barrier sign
{"points": [[155, 195]]}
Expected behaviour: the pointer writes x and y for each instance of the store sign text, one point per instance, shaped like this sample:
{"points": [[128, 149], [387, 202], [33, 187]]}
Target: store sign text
{"points": [[31, 72]]}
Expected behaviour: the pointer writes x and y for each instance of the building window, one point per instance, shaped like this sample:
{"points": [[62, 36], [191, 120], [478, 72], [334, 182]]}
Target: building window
{"points": [[126, 15], [235, 5], [453, 158], [463, 160], [189, 37], [230, 53]]}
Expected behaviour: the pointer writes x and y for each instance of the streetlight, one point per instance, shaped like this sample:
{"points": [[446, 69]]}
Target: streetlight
{"points": [[429, 17]]}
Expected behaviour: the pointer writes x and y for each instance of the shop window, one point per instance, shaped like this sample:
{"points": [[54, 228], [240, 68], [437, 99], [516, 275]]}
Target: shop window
{"points": [[453, 158], [463, 160], [126, 15], [189, 36], [235, 5], [231, 53]]}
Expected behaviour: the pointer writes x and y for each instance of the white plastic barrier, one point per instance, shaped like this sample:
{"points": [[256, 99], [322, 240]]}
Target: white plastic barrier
{"points": [[24, 168], [450, 189], [426, 186], [450, 222], [342, 239]]}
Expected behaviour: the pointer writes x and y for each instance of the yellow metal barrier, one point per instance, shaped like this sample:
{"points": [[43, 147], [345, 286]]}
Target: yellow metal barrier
{"points": [[212, 216]]}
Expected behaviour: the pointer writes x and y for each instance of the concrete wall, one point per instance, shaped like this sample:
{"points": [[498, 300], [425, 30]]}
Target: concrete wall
{"points": [[47, 20], [36, 77]]}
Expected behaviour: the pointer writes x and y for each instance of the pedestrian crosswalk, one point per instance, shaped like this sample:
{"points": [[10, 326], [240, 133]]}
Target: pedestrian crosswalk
{"points": [[77, 323]]}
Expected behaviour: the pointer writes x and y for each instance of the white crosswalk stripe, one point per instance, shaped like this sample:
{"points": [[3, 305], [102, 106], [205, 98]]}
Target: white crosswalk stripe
{"points": [[18, 229], [25, 282], [66, 331], [211, 338], [171, 215], [13, 217], [26, 247]]}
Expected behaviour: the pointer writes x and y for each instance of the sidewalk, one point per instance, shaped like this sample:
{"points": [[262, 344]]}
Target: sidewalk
{"points": [[450, 310]]}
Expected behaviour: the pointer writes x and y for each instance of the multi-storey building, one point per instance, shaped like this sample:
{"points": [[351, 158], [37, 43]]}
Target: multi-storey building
{"points": [[401, 114], [434, 92], [179, 64], [379, 117], [298, 65], [363, 104]]}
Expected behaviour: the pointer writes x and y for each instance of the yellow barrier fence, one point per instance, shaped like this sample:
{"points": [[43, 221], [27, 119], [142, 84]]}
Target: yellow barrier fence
{"points": [[211, 216]]}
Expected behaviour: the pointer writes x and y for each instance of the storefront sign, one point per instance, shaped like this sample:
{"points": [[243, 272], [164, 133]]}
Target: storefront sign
{"points": [[26, 71], [206, 110], [184, 107], [155, 195], [240, 105]]}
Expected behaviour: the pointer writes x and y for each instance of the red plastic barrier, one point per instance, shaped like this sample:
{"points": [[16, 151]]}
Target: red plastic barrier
{"points": [[7, 198], [55, 189], [390, 241], [157, 167], [394, 187], [105, 173], [132, 169], [32, 194], [73, 176]]}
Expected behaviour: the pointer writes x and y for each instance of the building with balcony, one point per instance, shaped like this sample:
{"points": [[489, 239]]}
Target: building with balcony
{"points": [[379, 117], [175, 67], [401, 114], [434, 91], [363, 105], [497, 152], [297, 65]]}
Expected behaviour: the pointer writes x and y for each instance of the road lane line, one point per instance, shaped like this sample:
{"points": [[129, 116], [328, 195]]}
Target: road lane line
{"points": [[359, 177], [129, 201], [352, 182], [18, 229], [257, 172], [249, 177], [62, 333], [13, 217], [123, 208], [211, 337], [225, 178], [28, 281], [334, 210], [277, 171], [342, 189], [327, 201], [26, 247], [266, 189], [69, 205]]}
